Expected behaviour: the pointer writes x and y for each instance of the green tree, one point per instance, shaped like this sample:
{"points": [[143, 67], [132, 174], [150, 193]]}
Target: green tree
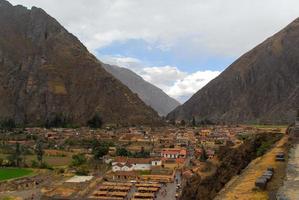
{"points": [[16, 157], [100, 151], [203, 156], [8, 124], [39, 151], [95, 121], [122, 152], [100, 148], [59, 121], [193, 121], [78, 160]]}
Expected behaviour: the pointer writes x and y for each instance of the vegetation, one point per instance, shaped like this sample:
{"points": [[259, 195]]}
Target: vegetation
{"points": [[60, 121], [39, 151], [11, 173], [264, 147], [100, 148], [82, 170], [16, 158], [203, 157], [267, 144], [183, 123], [7, 124], [122, 152], [78, 160], [95, 121], [193, 121], [206, 122], [141, 154]]}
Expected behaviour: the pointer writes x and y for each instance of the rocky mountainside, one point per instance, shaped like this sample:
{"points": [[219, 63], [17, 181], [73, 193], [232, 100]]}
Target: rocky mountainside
{"points": [[261, 86], [46, 71], [150, 94]]}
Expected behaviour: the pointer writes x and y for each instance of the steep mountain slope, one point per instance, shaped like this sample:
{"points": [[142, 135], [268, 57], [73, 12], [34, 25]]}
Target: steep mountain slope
{"points": [[45, 71], [150, 94], [261, 86]]}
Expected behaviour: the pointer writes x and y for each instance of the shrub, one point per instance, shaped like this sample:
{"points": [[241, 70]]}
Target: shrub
{"points": [[82, 171], [95, 121], [34, 164], [78, 159]]}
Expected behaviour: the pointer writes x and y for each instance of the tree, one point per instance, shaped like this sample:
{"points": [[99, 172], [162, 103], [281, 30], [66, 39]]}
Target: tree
{"points": [[95, 121], [100, 151], [39, 151], [59, 120], [203, 156], [78, 160], [142, 153], [122, 152], [193, 121], [16, 157], [8, 124], [100, 148]]}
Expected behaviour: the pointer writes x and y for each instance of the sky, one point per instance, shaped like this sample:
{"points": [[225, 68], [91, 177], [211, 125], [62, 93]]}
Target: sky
{"points": [[177, 45]]}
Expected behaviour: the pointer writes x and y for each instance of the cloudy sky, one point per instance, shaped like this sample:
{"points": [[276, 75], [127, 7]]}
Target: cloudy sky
{"points": [[178, 45]]}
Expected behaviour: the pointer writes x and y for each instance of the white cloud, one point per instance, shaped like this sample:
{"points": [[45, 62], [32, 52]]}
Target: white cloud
{"points": [[163, 76], [183, 89], [228, 27], [174, 82]]}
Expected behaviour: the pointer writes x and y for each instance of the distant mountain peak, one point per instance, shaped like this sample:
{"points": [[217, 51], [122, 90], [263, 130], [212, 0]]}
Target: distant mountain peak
{"points": [[150, 94]]}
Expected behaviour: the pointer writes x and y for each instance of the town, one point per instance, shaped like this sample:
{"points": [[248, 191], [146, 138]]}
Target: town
{"points": [[113, 163]]}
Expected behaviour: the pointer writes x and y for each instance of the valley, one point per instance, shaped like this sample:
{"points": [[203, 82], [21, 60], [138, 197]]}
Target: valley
{"points": [[166, 159], [137, 108]]}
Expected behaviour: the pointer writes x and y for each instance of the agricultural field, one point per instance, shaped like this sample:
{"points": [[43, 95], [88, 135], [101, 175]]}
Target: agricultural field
{"points": [[54, 161], [12, 173]]}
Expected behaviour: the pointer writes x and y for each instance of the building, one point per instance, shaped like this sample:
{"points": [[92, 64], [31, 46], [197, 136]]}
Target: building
{"points": [[156, 162], [134, 164], [174, 153]]}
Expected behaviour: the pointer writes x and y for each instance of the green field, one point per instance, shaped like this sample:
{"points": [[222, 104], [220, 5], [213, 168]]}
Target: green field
{"points": [[11, 173]]}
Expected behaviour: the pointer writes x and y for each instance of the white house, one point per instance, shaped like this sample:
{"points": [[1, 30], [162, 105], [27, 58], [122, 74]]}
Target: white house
{"points": [[156, 162], [120, 167], [137, 164]]}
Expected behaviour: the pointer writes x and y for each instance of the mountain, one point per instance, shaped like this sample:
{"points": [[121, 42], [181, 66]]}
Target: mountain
{"points": [[45, 71], [150, 94], [261, 86]]}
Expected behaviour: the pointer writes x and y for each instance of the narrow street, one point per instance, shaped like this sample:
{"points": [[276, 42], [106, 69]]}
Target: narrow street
{"points": [[168, 192]]}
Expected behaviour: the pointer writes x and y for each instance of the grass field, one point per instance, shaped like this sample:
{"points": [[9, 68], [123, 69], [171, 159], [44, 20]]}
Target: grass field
{"points": [[11, 173]]}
